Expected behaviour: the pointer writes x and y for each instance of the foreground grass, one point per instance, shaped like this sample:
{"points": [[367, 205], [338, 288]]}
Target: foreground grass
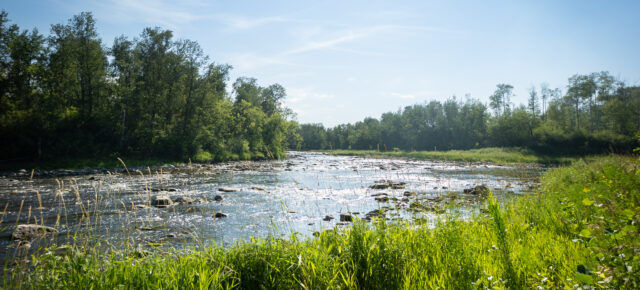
{"points": [[496, 155], [581, 229]]}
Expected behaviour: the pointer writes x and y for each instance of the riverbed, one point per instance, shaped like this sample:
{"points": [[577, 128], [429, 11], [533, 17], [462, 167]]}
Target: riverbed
{"points": [[303, 194]]}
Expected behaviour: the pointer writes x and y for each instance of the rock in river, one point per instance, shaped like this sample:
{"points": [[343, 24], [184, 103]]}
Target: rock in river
{"points": [[228, 189], [327, 218], [218, 198], [161, 201], [183, 200], [346, 217], [384, 184], [478, 190], [220, 215], [29, 231]]}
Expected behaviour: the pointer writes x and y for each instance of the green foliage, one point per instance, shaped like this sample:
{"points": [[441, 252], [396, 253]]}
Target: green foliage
{"points": [[149, 97], [491, 154], [203, 156]]}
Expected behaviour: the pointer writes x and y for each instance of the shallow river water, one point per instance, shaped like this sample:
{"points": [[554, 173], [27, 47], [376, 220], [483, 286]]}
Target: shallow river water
{"points": [[274, 198]]}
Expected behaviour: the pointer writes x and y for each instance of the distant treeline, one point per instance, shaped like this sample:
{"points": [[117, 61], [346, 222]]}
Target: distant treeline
{"points": [[67, 95], [597, 114]]}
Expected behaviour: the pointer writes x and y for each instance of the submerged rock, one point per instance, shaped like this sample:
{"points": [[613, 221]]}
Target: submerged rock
{"points": [[183, 200], [228, 189], [161, 201], [346, 217], [374, 213], [478, 190], [328, 218], [384, 184], [219, 215], [218, 198], [410, 193], [29, 231], [382, 198], [139, 206], [257, 188]]}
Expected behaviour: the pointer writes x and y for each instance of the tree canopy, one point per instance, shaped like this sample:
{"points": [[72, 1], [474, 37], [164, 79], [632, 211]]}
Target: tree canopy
{"points": [[67, 95]]}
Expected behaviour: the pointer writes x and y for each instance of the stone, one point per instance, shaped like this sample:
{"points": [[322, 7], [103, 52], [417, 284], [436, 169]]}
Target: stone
{"points": [[384, 184], [346, 217], [382, 198], [228, 189], [481, 190], [218, 198], [161, 201], [139, 206], [374, 213], [29, 231], [257, 188], [220, 215], [409, 193], [183, 200], [328, 218]]}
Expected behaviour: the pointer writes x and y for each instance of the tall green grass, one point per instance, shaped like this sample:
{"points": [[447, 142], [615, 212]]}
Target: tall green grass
{"points": [[495, 155], [580, 229]]}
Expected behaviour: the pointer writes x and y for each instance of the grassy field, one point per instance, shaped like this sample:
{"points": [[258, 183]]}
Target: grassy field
{"points": [[581, 228], [495, 155]]}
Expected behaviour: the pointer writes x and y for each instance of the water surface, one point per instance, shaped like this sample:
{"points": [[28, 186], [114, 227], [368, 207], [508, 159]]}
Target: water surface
{"points": [[274, 198]]}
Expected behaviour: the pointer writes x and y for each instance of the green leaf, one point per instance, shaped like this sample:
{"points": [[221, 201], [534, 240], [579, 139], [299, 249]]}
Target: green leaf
{"points": [[587, 201], [585, 233], [628, 213], [629, 229], [585, 279]]}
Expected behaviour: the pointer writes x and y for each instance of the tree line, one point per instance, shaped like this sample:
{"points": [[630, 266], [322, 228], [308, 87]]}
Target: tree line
{"points": [[598, 113], [67, 95]]}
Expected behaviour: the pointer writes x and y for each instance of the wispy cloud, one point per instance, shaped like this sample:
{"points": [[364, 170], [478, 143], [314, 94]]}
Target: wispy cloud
{"points": [[173, 14], [164, 13], [236, 22], [356, 34], [328, 43]]}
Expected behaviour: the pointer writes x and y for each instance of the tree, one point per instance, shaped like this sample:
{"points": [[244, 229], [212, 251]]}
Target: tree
{"points": [[533, 105], [501, 99]]}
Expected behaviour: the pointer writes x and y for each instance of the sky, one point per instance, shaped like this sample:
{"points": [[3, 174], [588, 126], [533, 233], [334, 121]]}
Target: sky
{"points": [[342, 61]]}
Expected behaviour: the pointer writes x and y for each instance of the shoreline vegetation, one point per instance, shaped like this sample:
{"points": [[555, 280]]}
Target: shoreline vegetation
{"points": [[580, 229], [512, 155]]}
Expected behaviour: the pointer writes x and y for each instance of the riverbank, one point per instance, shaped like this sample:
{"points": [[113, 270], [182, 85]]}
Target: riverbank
{"points": [[581, 229], [492, 154], [79, 164]]}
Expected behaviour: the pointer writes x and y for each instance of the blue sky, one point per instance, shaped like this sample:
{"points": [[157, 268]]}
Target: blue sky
{"points": [[341, 61]]}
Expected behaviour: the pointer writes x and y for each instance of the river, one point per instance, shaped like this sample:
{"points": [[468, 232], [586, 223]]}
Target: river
{"points": [[274, 198]]}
